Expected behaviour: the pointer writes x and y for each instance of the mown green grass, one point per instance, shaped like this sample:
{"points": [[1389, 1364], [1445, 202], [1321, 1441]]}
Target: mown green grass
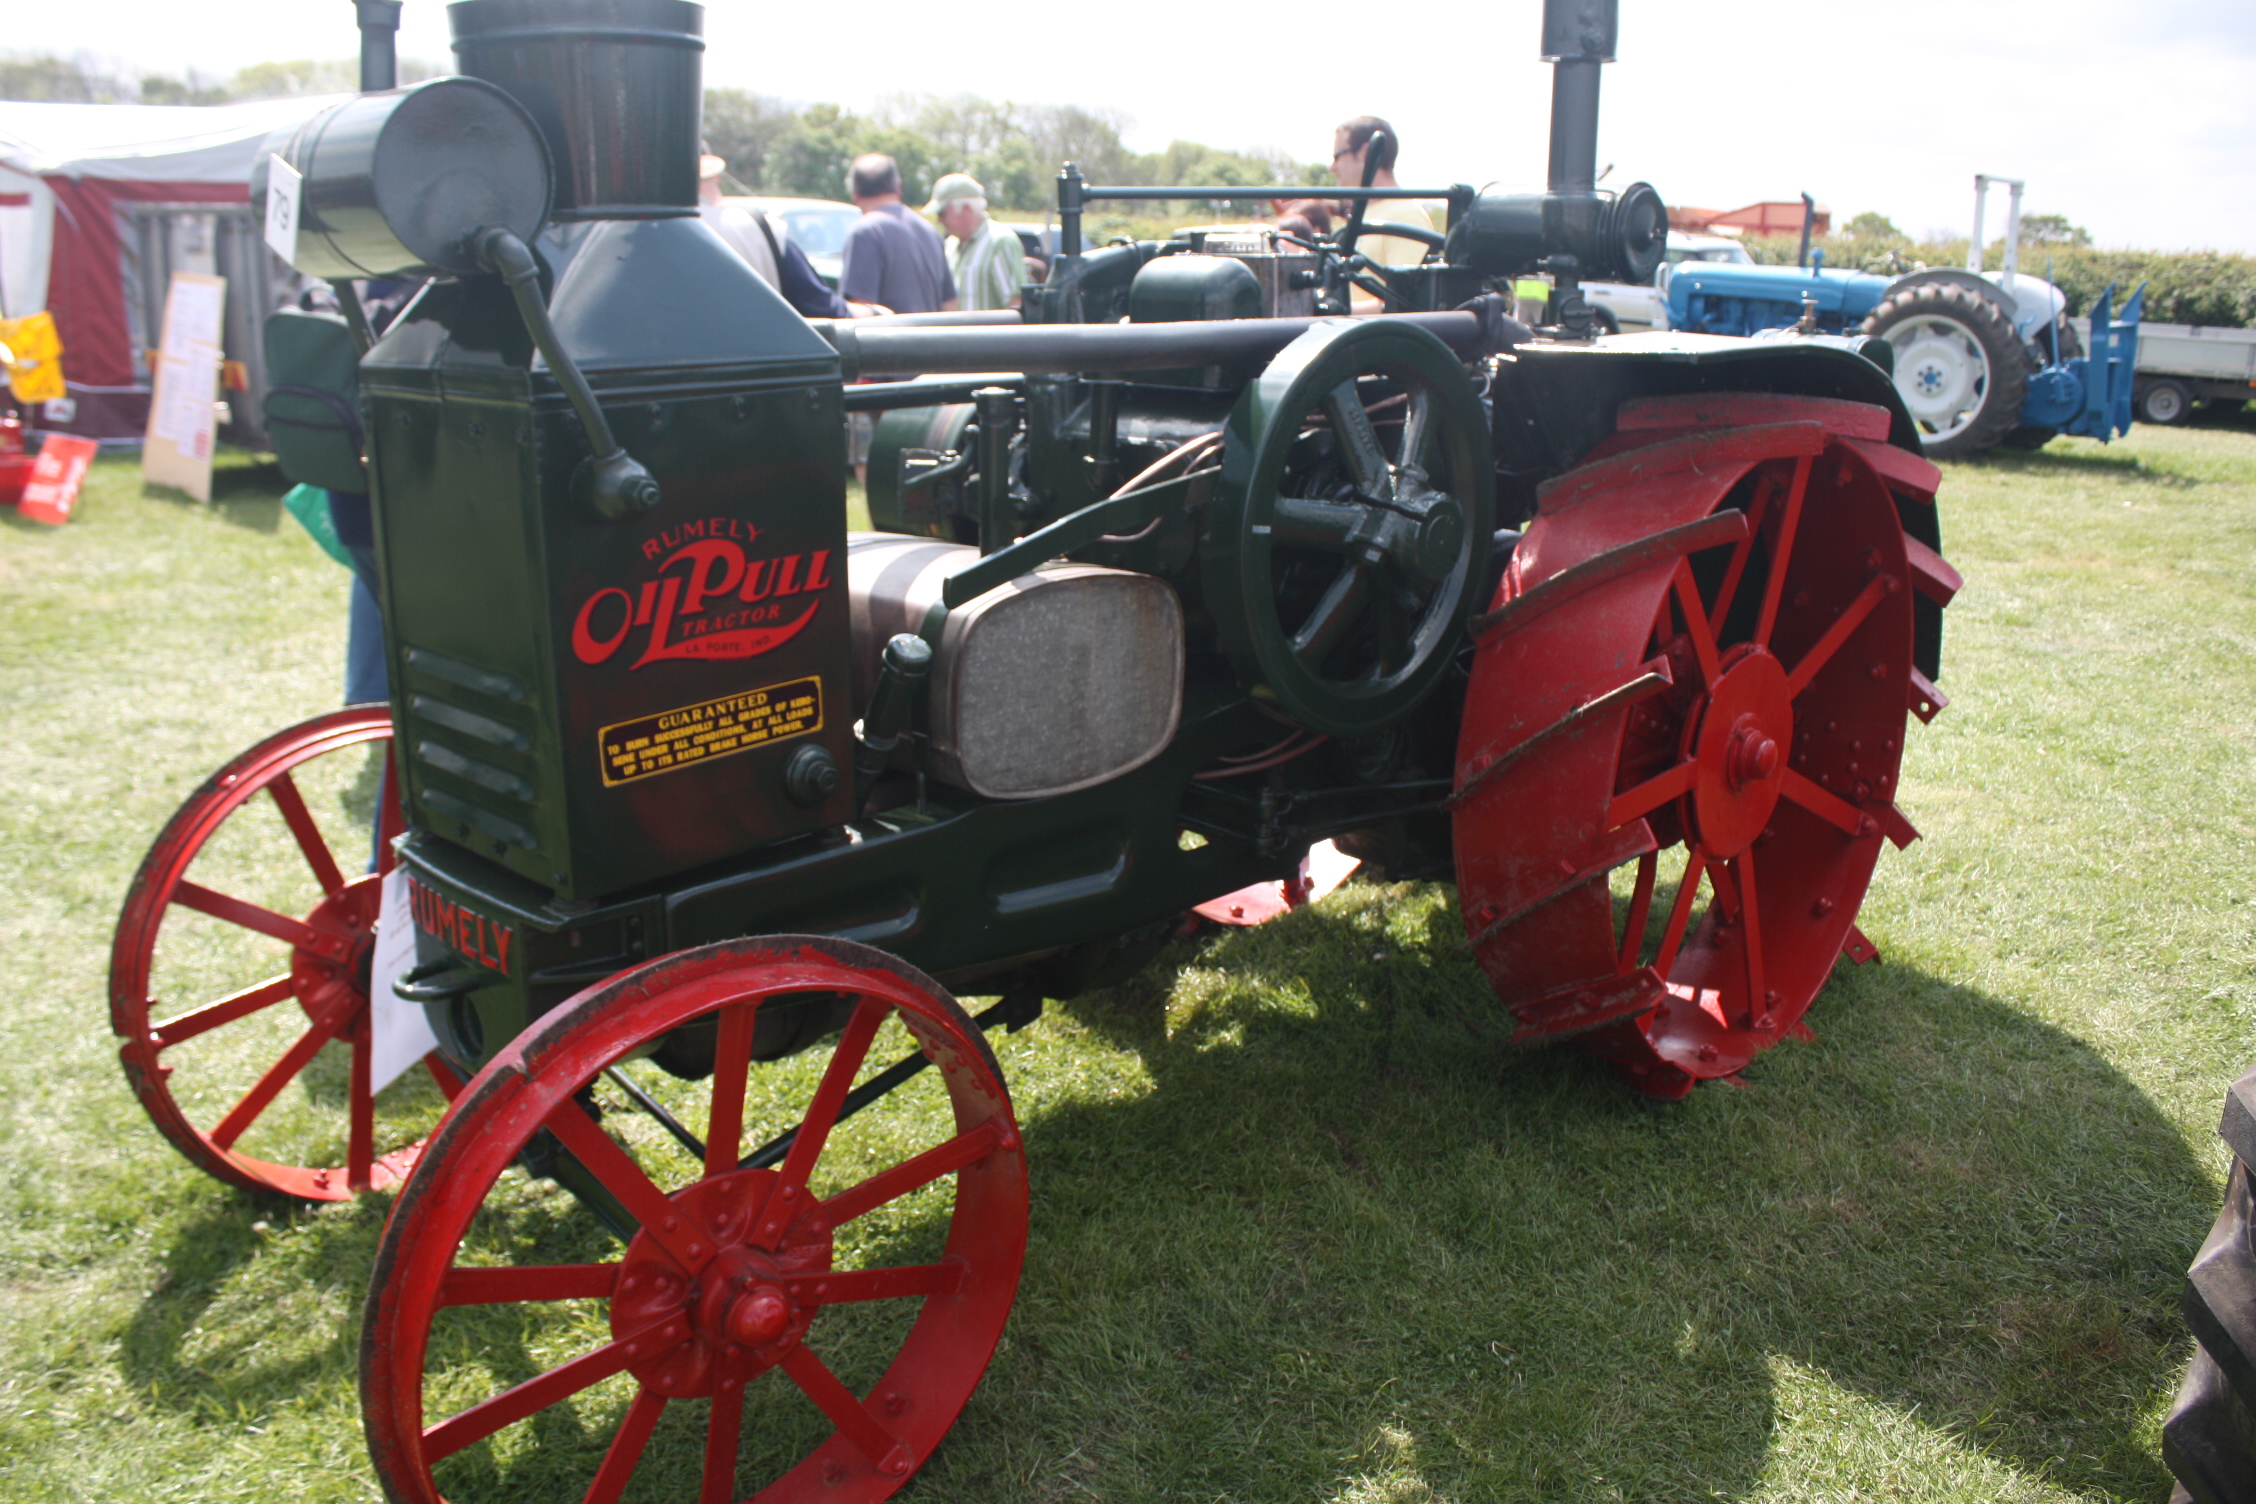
{"points": [[1304, 1227]]}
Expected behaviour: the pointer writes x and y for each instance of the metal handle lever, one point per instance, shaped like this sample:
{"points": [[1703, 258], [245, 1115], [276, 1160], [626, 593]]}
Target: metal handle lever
{"points": [[440, 981], [620, 487]]}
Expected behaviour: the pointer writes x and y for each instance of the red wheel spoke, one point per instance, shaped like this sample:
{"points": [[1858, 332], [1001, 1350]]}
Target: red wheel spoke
{"points": [[722, 1427], [472, 1285], [1651, 794], [251, 917], [1791, 519], [732, 1062], [285, 792], [1826, 805], [1640, 907], [228, 1009], [1696, 622], [822, 1112], [625, 1179], [1766, 491], [514, 1404], [278, 1075], [847, 1413], [289, 837], [889, 1185], [1680, 912], [360, 1136], [1750, 916], [943, 1278], [1876, 590], [443, 1076], [708, 1338], [625, 1451]]}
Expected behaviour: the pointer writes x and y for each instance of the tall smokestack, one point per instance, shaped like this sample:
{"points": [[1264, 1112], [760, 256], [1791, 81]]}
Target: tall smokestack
{"points": [[379, 49], [1578, 40]]}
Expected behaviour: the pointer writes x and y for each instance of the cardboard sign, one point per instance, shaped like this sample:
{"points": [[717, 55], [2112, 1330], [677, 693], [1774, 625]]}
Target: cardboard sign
{"points": [[182, 422], [55, 479]]}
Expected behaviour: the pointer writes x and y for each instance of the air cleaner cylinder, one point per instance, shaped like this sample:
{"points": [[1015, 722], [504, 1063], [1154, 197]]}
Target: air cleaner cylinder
{"points": [[614, 85], [398, 184]]}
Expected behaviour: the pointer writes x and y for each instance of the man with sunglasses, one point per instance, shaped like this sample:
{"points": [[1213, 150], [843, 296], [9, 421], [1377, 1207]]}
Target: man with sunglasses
{"points": [[1352, 145]]}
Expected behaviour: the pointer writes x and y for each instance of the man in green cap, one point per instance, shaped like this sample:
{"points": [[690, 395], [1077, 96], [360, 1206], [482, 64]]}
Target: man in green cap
{"points": [[987, 260]]}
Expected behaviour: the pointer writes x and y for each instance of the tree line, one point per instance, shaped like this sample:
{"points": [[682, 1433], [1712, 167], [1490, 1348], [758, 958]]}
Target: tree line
{"points": [[1014, 150], [773, 146]]}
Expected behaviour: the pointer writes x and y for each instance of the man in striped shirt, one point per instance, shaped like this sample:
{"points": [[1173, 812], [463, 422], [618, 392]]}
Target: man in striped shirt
{"points": [[987, 259]]}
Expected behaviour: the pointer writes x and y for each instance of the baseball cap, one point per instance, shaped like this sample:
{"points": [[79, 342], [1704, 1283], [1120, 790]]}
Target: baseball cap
{"points": [[954, 189]]}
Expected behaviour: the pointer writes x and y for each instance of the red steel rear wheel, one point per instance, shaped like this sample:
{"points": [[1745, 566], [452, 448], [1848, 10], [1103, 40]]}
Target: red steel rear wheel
{"points": [[1681, 742], [239, 973], [794, 1325]]}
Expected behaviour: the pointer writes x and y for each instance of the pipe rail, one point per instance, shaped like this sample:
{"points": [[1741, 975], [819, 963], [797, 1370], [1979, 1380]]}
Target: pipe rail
{"points": [[1480, 329]]}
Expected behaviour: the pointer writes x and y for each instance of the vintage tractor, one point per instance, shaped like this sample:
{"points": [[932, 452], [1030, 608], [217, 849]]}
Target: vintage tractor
{"points": [[699, 811], [1981, 359]]}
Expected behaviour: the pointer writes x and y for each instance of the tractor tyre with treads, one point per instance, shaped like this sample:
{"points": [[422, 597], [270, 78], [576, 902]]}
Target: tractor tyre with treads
{"points": [[1695, 677], [1961, 369], [2209, 1440]]}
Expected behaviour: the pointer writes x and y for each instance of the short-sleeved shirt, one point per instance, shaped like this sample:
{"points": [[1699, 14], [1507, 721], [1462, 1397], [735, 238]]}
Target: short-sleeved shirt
{"points": [[893, 257], [988, 268], [1399, 250]]}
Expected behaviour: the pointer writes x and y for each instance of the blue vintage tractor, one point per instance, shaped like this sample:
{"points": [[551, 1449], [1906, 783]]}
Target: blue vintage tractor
{"points": [[1981, 359]]}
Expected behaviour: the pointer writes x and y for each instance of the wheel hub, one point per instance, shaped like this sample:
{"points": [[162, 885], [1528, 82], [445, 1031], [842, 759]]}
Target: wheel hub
{"points": [[1939, 376], [1738, 743], [739, 1312], [350, 915]]}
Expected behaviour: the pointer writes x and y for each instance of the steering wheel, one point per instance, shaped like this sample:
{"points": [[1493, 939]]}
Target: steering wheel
{"points": [[1350, 523]]}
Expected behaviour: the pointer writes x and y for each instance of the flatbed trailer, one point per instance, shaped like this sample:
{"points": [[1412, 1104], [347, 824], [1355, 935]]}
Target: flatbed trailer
{"points": [[2182, 365]]}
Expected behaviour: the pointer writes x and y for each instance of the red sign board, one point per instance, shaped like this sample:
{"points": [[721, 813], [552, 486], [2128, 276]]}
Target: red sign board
{"points": [[53, 489]]}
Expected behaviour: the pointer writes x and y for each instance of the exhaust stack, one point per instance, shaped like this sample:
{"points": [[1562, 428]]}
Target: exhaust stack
{"points": [[379, 44], [1578, 41]]}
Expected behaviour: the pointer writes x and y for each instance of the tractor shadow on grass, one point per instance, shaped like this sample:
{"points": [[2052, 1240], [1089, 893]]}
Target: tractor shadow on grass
{"points": [[244, 492], [256, 1303], [2117, 465], [1350, 1233]]}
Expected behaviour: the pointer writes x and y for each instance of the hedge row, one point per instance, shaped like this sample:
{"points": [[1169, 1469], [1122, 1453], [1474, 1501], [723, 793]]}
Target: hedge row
{"points": [[2182, 287]]}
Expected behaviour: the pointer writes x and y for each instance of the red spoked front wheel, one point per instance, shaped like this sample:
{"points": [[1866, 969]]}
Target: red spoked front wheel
{"points": [[809, 1294], [239, 973], [1681, 742]]}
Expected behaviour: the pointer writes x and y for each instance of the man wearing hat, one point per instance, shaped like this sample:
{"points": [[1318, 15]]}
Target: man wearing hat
{"points": [[987, 259]]}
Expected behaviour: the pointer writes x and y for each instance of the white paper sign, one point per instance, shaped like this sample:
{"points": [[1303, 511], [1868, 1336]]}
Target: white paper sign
{"points": [[283, 183], [399, 1033], [192, 315], [176, 420]]}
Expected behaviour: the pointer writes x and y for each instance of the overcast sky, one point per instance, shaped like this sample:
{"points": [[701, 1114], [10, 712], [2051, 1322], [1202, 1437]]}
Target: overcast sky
{"points": [[2137, 122]]}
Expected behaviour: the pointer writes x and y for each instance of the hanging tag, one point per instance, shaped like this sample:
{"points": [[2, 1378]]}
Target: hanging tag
{"points": [[283, 183], [399, 1033]]}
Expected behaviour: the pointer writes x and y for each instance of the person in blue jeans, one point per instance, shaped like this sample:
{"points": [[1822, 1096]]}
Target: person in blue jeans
{"points": [[367, 679]]}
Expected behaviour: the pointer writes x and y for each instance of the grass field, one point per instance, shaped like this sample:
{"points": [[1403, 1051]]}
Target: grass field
{"points": [[1304, 1228]]}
